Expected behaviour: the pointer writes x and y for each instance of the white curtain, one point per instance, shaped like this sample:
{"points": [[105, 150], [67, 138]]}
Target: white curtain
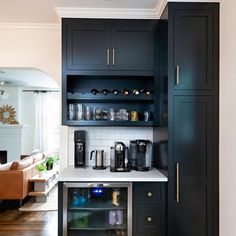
{"points": [[46, 135]]}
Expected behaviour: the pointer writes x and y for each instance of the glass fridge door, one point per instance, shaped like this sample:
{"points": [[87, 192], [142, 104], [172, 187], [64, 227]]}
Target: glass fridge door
{"points": [[97, 209]]}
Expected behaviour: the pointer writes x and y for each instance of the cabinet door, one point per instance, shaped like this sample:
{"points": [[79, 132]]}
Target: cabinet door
{"points": [[87, 46], [149, 209], [193, 152], [193, 46], [132, 47]]}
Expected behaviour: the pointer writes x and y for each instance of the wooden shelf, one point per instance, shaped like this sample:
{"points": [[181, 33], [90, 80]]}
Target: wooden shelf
{"points": [[40, 194]]}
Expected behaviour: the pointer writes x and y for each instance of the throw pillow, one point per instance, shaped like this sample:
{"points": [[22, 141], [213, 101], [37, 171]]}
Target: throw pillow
{"points": [[6, 166]]}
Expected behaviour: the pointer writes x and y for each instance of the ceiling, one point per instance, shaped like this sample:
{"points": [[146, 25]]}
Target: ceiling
{"points": [[36, 11], [26, 78]]}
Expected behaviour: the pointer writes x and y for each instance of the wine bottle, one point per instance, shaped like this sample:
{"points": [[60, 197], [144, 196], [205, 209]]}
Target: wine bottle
{"points": [[135, 92], [94, 91], [105, 91], [145, 91], [125, 92], [115, 91]]}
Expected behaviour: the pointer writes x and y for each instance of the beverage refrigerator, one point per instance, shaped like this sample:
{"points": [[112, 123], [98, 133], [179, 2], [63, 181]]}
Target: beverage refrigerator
{"points": [[97, 209]]}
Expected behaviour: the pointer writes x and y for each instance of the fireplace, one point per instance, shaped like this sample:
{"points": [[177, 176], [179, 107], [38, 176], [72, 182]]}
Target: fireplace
{"points": [[11, 141], [3, 157]]}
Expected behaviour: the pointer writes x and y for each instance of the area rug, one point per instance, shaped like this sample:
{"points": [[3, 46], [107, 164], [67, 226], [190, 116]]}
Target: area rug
{"points": [[50, 205]]}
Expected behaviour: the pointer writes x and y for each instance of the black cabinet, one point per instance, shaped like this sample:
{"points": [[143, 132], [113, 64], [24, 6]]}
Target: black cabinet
{"points": [[108, 44], [132, 46], [113, 55], [193, 160], [193, 48], [149, 206], [86, 45], [193, 123]]}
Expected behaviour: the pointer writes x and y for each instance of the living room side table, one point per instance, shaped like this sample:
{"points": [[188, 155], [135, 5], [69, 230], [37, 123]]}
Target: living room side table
{"points": [[44, 184]]}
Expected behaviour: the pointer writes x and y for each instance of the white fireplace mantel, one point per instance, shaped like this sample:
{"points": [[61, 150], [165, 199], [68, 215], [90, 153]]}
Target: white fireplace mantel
{"points": [[11, 141]]}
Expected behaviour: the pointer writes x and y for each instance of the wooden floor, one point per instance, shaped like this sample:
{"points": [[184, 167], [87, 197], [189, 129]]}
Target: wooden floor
{"points": [[16, 223]]}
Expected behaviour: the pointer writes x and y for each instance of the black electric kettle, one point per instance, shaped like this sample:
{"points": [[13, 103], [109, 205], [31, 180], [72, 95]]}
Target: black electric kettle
{"points": [[99, 159]]}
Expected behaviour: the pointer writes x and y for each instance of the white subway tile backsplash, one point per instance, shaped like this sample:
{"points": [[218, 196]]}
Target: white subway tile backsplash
{"points": [[105, 137]]}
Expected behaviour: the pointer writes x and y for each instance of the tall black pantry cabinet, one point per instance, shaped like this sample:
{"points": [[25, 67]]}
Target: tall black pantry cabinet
{"points": [[193, 123]]}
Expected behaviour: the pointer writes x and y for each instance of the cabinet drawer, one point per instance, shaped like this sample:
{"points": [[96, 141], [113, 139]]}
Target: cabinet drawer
{"points": [[149, 220], [148, 192]]}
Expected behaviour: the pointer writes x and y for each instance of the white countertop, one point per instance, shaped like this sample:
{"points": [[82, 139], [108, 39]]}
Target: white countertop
{"points": [[89, 174]]}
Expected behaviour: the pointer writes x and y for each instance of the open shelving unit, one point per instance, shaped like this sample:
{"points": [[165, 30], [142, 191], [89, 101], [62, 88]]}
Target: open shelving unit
{"points": [[77, 90]]}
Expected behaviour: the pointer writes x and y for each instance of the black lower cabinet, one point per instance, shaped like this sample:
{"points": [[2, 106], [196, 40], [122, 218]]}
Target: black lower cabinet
{"points": [[148, 213], [149, 209]]}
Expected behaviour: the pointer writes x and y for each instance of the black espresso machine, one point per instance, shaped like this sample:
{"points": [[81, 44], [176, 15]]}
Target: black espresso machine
{"points": [[140, 157], [119, 158]]}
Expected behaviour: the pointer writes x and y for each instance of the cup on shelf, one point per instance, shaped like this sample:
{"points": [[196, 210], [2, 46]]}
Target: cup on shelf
{"points": [[122, 115], [71, 111], [87, 113], [98, 114], [79, 111], [105, 114], [112, 114], [147, 116]]}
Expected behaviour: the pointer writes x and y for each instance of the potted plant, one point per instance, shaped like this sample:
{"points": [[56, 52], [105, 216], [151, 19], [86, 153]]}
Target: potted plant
{"points": [[41, 168], [50, 160]]}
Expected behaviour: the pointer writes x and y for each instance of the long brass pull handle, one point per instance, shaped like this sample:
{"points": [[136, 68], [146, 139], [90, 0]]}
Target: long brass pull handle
{"points": [[177, 182], [113, 56], [177, 81], [108, 57]]}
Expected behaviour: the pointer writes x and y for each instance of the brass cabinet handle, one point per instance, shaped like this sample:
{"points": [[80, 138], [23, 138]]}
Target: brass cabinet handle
{"points": [[113, 56], [149, 219], [177, 81], [177, 182], [108, 57], [149, 194]]}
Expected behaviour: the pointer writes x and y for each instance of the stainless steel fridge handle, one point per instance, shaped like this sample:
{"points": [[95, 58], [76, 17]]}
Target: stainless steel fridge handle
{"points": [[177, 81], [92, 185], [177, 182]]}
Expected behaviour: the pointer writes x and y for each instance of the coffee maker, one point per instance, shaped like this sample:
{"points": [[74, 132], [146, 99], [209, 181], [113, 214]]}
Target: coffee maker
{"points": [[119, 158], [140, 155], [79, 139]]}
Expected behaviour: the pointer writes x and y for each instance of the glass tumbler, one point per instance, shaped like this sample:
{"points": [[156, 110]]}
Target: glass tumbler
{"points": [[71, 112], [79, 111], [87, 113]]}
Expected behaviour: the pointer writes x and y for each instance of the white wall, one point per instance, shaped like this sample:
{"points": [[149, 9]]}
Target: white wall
{"points": [[228, 119], [36, 46]]}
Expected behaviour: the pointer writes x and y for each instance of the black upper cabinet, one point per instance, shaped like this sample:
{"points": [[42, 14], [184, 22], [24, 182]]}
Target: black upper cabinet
{"points": [[87, 46], [193, 48], [108, 44], [132, 47]]}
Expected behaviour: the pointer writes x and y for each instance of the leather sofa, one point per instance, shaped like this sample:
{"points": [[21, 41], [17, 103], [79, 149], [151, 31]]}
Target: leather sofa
{"points": [[14, 177]]}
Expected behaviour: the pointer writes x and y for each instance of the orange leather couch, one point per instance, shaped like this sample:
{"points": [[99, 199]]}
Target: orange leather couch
{"points": [[14, 182]]}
